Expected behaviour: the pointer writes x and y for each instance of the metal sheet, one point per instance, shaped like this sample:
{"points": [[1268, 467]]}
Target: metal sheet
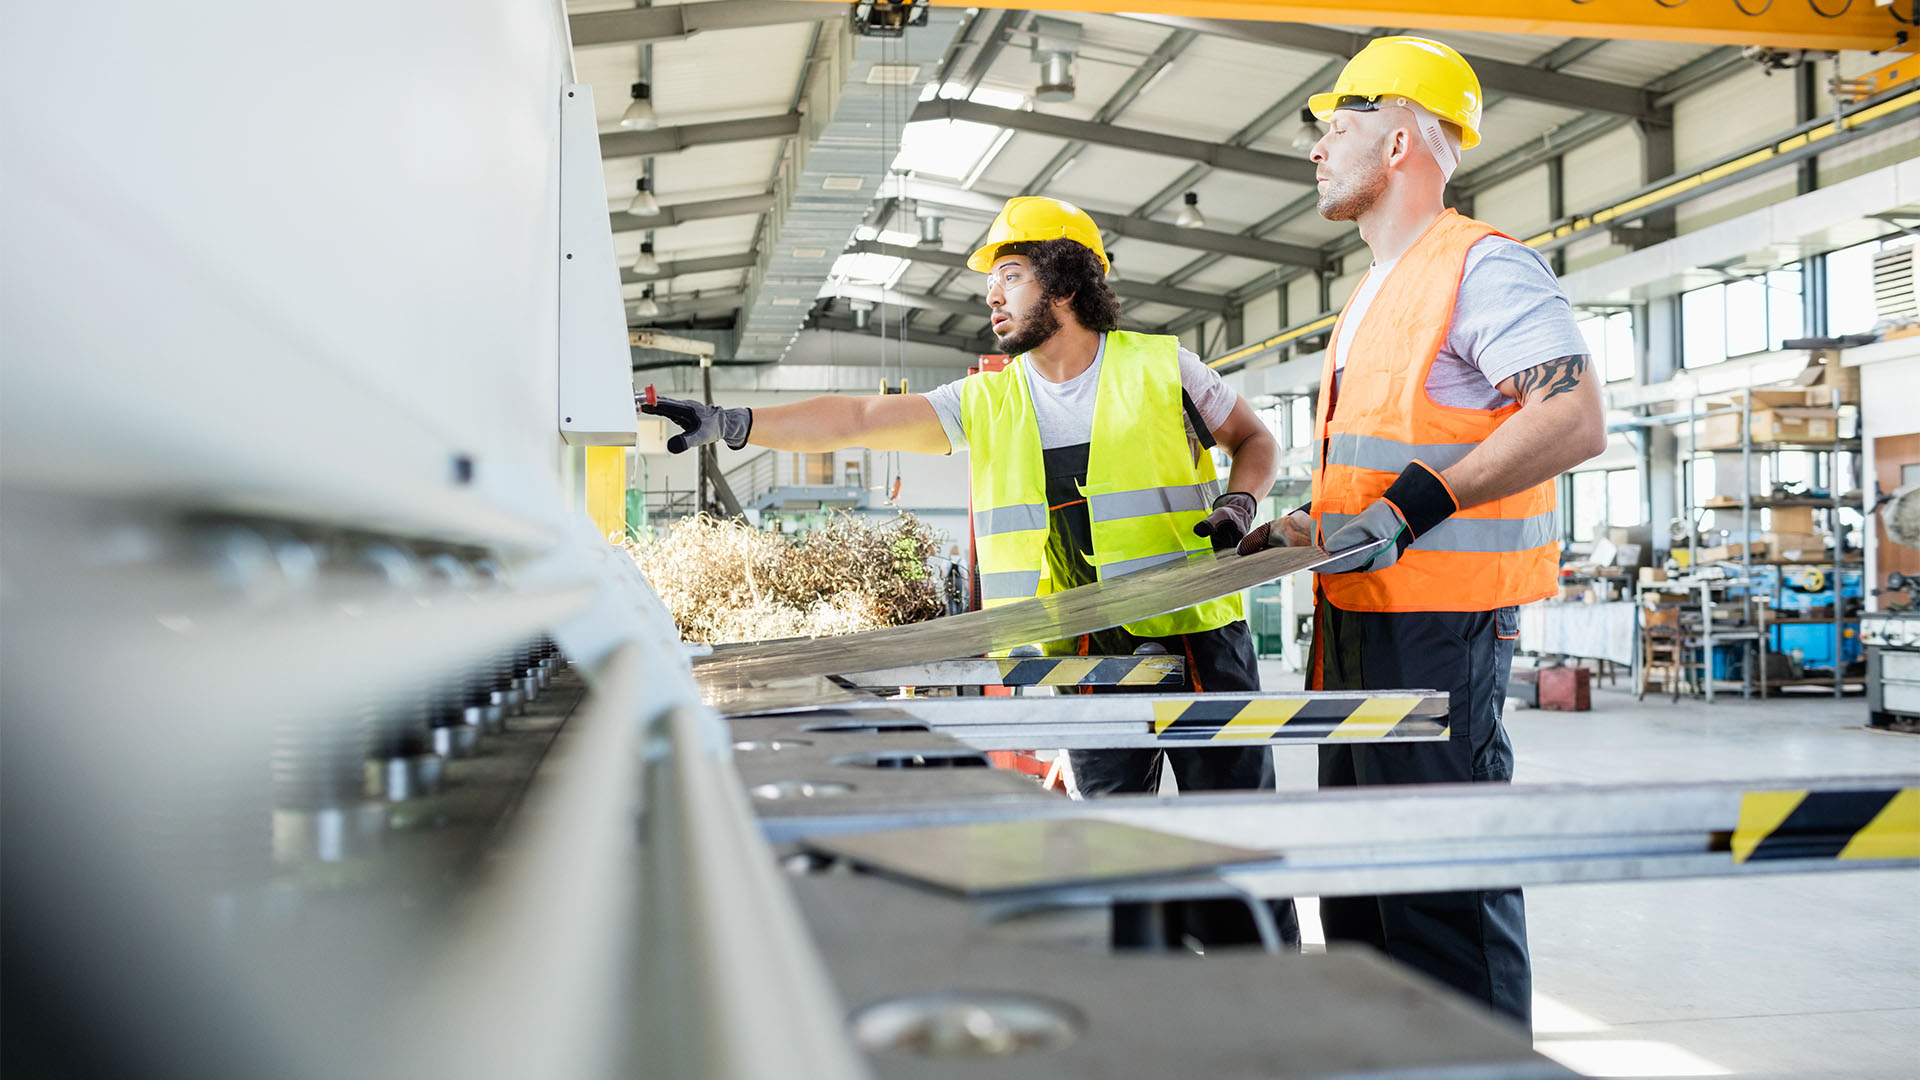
{"points": [[735, 698], [1166, 671], [1015, 856], [1046, 618], [1118, 721], [1458, 836]]}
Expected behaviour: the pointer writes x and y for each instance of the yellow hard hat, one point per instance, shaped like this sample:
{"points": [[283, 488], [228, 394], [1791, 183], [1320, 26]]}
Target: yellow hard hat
{"points": [[1414, 68], [1036, 217]]}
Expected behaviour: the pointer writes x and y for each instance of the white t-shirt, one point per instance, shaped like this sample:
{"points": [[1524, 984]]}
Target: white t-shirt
{"points": [[1064, 410], [1510, 315]]}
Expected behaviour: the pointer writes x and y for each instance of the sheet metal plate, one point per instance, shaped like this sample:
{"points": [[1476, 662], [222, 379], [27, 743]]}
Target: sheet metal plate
{"points": [[1046, 618], [1017, 856]]}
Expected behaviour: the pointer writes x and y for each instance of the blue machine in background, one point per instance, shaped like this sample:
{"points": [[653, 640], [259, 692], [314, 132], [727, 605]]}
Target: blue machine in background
{"points": [[1808, 592]]}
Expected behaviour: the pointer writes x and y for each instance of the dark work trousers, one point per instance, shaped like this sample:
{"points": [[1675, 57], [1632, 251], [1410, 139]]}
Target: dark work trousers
{"points": [[1475, 942], [1221, 659]]}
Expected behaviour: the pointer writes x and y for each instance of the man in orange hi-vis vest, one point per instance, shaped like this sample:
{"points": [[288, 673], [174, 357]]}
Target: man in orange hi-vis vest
{"points": [[1455, 389]]}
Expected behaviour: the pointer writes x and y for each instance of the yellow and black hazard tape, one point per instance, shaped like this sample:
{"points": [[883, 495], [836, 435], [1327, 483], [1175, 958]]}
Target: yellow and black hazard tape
{"points": [[1222, 718], [1092, 671], [1882, 823]]}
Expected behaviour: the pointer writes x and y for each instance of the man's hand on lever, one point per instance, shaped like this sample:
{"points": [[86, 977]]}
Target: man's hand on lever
{"points": [[699, 422]]}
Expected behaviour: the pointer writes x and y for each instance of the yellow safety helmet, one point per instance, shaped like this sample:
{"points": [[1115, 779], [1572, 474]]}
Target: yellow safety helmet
{"points": [[1036, 217], [1413, 68]]}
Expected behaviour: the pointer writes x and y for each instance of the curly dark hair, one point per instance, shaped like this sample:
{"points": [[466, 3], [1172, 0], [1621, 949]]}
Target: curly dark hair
{"points": [[1070, 269]]}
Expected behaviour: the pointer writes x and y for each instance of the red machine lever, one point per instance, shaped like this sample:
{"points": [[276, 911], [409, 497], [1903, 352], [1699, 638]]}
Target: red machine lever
{"points": [[652, 399]]}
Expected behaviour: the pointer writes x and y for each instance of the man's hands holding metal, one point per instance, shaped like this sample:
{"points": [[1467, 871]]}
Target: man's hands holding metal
{"points": [[1416, 502], [1292, 529], [699, 422], [1232, 518]]}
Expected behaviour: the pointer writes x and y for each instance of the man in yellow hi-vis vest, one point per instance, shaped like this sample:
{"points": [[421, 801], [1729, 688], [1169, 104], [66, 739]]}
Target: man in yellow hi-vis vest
{"points": [[1089, 458]]}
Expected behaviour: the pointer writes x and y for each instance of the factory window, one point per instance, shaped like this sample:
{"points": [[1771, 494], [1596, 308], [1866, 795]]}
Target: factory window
{"points": [[1302, 419], [1850, 292], [1600, 498], [1610, 343], [1741, 316], [1624, 506], [1589, 505]]}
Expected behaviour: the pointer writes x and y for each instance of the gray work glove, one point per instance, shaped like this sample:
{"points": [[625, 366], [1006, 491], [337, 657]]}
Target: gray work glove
{"points": [[699, 422], [1291, 529], [1411, 507], [1232, 518]]}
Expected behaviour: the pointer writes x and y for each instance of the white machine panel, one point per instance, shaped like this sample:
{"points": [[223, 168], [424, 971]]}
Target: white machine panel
{"points": [[596, 368]]}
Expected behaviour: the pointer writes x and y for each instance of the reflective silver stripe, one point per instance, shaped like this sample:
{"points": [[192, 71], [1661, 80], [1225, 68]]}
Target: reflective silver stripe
{"points": [[1009, 585], [1388, 455], [1128, 566], [1486, 535], [1020, 517], [1146, 502]]}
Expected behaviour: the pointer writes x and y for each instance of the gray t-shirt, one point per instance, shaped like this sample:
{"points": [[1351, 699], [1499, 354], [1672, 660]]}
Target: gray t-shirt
{"points": [[1510, 315], [1064, 411]]}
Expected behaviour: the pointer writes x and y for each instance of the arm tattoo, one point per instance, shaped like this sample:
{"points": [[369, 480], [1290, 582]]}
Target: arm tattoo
{"points": [[1549, 380]]}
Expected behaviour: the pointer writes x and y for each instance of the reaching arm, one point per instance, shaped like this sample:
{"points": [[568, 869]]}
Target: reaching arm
{"points": [[875, 421], [1560, 424], [831, 422]]}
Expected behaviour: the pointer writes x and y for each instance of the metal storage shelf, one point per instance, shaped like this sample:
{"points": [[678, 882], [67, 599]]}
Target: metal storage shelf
{"points": [[1839, 445], [1830, 463]]}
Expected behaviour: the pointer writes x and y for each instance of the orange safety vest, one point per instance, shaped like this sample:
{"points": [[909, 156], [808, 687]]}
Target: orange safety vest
{"points": [[1483, 557]]}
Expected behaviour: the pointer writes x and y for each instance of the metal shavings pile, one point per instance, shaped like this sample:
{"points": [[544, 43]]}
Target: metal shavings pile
{"points": [[726, 581]]}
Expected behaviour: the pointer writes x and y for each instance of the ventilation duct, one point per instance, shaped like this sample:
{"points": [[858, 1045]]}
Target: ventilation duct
{"points": [[832, 171]]}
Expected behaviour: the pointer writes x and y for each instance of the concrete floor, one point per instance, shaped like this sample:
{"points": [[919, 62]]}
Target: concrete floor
{"points": [[1798, 976]]}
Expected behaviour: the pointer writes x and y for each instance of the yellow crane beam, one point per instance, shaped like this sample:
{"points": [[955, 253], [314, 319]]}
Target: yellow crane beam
{"points": [[1779, 24]]}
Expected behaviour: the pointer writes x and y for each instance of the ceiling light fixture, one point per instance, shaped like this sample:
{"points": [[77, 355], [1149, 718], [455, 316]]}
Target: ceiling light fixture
{"points": [[1308, 136], [930, 237], [1055, 43], [640, 115], [645, 308], [644, 204], [1190, 215], [645, 264]]}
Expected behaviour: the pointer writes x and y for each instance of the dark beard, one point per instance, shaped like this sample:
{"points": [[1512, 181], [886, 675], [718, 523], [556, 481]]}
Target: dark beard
{"points": [[1031, 332]]}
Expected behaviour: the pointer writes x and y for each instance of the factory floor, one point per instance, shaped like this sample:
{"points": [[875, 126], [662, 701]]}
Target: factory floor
{"points": [[1803, 976]]}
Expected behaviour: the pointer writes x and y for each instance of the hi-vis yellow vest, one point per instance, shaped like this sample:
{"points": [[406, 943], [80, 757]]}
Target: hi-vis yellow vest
{"points": [[1144, 490]]}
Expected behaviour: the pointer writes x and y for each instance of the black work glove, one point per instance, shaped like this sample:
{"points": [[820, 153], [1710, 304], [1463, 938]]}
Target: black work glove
{"points": [[1417, 501], [699, 422], [1232, 516]]}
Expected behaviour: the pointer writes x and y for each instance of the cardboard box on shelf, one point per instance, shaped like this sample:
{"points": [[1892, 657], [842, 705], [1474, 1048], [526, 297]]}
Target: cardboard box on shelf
{"points": [[1791, 519], [1731, 552], [1795, 547], [1650, 575], [1824, 374], [1772, 424]]}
